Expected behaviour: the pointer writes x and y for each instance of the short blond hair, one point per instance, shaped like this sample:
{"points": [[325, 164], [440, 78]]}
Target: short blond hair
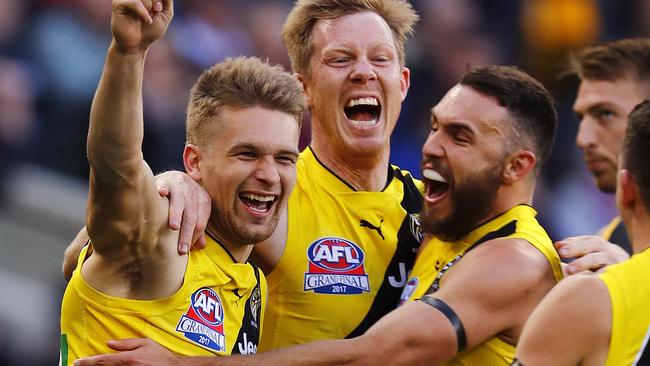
{"points": [[297, 30], [240, 82]]}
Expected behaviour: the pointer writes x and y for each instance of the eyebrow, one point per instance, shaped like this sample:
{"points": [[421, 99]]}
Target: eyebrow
{"points": [[249, 146], [342, 49], [459, 127], [454, 126], [595, 107]]}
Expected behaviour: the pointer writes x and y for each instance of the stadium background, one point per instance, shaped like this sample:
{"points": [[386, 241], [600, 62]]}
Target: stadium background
{"points": [[51, 55]]}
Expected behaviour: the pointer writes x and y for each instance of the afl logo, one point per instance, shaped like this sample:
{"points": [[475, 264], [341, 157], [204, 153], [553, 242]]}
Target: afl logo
{"points": [[207, 305], [335, 254]]}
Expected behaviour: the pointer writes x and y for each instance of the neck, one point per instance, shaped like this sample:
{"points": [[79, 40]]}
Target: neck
{"points": [[638, 227], [239, 252], [363, 171], [509, 196]]}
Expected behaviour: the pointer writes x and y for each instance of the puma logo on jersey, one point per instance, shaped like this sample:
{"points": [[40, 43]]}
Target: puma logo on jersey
{"points": [[365, 223]]}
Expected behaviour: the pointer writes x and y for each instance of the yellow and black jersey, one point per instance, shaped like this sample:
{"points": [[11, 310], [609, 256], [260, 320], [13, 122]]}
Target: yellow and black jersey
{"points": [[219, 310], [629, 292], [347, 256], [439, 256], [615, 232]]}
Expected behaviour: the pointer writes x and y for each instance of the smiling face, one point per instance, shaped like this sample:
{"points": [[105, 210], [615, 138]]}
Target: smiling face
{"points": [[602, 107], [355, 85], [248, 170], [463, 159]]}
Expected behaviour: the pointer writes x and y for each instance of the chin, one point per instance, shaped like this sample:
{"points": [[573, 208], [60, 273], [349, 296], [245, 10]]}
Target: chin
{"points": [[256, 235]]}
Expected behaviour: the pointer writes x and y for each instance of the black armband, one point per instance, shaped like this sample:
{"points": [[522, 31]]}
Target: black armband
{"points": [[453, 319]]}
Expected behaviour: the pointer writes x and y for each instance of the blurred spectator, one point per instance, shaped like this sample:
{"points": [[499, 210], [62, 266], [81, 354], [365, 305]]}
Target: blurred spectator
{"points": [[68, 44], [209, 31], [168, 79], [18, 116]]}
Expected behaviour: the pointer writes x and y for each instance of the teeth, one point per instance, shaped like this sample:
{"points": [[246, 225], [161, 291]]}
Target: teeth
{"points": [[362, 124], [363, 101], [256, 197], [431, 174]]}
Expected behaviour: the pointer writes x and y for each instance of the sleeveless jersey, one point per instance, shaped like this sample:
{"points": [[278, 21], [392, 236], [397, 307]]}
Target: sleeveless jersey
{"points": [[217, 311], [629, 292], [438, 256], [346, 258], [614, 232]]}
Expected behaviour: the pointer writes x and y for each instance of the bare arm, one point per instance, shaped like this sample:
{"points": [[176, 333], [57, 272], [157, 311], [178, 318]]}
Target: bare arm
{"points": [[571, 326], [126, 216], [189, 211]]}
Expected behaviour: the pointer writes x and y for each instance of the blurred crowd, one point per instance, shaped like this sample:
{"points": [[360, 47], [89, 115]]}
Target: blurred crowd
{"points": [[52, 51]]}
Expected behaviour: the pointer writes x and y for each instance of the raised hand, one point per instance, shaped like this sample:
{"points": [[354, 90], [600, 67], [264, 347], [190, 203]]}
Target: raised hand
{"points": [[136, 24]]}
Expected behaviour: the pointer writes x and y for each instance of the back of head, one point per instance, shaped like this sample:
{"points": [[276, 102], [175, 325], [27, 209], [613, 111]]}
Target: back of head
{"points": [[297, 31], [240, 83], [616, 60], [526, 99], [636, 149]]}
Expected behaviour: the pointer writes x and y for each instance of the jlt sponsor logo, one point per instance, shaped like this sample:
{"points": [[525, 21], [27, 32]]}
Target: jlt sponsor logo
{"points": [[246, 347], [335, 267]]}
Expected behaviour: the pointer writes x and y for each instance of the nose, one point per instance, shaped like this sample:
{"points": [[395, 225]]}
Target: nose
{"points": [[586, 136], [432, 146], [363, 71], [267, 170]]}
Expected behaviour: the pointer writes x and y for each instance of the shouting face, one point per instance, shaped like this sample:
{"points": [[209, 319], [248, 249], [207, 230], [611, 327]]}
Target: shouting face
{"points": [[463, 160], [355, 84]]}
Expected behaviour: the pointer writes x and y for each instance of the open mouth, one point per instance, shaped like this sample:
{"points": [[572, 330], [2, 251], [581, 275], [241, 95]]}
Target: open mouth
{"points": [[257, 202], [363, 112], [436, 185]]}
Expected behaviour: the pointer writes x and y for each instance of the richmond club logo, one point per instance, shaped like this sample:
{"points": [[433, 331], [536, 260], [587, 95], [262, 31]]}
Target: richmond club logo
{"points": [[203, 321], [335, 267]]}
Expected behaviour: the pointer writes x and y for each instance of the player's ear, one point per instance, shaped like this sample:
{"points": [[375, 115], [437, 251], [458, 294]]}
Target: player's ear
{"points": [[306, 88], [518, 165], [192, 156], [626, 190]]}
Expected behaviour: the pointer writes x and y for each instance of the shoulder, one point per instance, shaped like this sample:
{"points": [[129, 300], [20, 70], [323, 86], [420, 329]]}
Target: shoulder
{"points": [[580, 301], [511, 262], [572, 324]]}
